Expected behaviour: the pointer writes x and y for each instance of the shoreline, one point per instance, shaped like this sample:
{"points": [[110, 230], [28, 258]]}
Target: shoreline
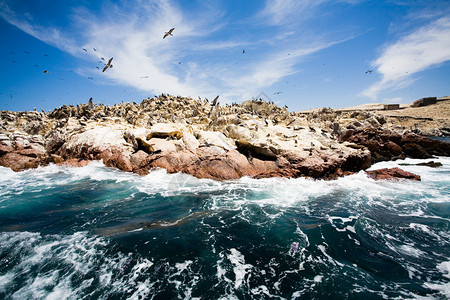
{"points": [[255, 139]]}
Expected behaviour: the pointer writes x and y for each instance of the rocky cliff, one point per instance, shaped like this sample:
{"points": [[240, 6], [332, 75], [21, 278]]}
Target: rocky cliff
{"points": [[255, 138]]}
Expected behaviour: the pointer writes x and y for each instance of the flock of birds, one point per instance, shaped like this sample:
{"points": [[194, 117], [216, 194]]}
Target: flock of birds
{"points": [[110, 65]]}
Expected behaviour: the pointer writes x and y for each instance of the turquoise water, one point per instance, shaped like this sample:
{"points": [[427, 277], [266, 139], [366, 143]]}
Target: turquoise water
{"points": [[98, 233]]}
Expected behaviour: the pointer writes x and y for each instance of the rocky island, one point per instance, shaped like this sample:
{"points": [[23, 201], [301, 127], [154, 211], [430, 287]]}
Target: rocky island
{"points": [[256, 138]]}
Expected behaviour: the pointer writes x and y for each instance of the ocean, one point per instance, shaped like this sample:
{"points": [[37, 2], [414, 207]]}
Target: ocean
{"points": [[98, 233]]}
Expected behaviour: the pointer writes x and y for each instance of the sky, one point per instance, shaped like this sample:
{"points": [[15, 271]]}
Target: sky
{"points": [[300, 53]]}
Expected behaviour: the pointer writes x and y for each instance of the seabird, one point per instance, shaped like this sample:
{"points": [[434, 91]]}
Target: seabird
{"points": [[91, 103], [243, 51], [85, 49], [168, 33], [108, 65], [369, 72], [214, 102], [94, 49], [277, 93], [46, 72]]}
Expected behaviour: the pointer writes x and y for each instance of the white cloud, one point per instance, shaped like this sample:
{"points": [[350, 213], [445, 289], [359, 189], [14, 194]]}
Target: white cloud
{"points": [[425, 48], [132, 35], [281, 12]]}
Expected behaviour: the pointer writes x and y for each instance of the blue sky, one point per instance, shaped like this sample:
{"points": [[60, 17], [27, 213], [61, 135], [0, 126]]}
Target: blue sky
{"points": [[303, 54]]}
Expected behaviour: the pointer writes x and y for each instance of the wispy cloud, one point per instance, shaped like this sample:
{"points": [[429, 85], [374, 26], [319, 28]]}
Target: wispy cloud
{"points": [[132, 35], [48, 34], [282, 12], [422, 49]]}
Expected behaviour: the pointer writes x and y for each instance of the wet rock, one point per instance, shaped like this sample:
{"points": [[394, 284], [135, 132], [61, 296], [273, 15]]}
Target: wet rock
{"points": [[56, 159], [114, 157], [386, 145], [18, 162], [392, 174], [430, 164]]}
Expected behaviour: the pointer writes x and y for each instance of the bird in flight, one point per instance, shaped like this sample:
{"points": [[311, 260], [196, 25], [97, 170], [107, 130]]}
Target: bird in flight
{"points": [[108, 65], [243, 51], [168, 33], [85, 49], [369, 72], [277, 93], [46, 72], [94, 49]]}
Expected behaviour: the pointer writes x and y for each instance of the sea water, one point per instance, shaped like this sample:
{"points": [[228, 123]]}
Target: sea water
{"points": [[99, 233]]}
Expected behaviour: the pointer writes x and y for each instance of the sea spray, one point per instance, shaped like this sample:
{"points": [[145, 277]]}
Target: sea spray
{"points": [[95, 232]]}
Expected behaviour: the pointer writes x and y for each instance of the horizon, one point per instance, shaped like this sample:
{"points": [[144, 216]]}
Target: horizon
{"points": [[302, 54]]}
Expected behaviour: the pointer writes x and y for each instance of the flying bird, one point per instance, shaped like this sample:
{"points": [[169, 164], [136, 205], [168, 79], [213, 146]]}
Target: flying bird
{"points": [[243, 51], [46, 72], [46, 55], [168, 33], [277, 93], [108, 65], [369, 72], [85, 49], [94, 49]]}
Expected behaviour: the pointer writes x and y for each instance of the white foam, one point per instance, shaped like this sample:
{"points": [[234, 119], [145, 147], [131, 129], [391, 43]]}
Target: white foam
{"points": [[443, 288], [444, 268], [73, 256], [410, 250], [318, 278], [240, 268]]}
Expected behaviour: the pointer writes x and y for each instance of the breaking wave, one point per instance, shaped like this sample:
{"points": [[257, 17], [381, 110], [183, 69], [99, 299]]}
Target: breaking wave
{"points": [[99, 233]]}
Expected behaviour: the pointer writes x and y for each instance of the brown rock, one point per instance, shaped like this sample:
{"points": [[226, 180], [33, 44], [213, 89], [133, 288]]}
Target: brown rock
{"points": [[5, 149], [114, 157], [56, 159], [392, 173], [74, 162], [386, 146], [138, 159], [393, 148], [415, 150], [430, 164], [18, 162], [32, 152]]}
